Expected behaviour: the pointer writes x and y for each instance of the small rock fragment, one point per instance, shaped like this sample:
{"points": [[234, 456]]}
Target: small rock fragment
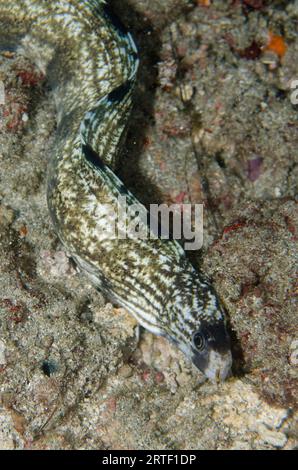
{"points": [[2, 353], [274, 438]]}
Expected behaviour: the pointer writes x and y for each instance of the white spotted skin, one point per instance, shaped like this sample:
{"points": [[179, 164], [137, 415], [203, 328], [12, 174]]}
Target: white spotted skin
{"points": [[91, 64]]}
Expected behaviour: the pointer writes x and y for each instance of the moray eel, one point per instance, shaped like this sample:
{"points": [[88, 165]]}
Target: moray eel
{"points": [[91, 62]]}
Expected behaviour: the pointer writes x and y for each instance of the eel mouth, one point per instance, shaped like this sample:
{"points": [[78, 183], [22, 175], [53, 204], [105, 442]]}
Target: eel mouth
{"points": [[215, 365]]}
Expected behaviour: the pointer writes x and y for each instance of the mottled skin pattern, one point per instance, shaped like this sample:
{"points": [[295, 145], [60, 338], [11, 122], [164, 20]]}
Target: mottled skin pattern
{"points": [[91, 63]]}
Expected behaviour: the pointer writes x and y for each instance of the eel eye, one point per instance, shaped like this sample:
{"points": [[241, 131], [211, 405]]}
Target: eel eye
{"points": [[198, 341]]}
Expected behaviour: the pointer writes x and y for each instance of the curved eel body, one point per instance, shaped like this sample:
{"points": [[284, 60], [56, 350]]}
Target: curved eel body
{"points": [[91, 61]]}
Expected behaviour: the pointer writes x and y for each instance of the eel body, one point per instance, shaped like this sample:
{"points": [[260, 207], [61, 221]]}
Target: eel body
{"points": [[91, 62]]}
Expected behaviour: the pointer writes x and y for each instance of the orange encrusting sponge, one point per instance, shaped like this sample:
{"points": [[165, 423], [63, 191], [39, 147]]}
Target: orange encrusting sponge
{"points": [[276, 44]]}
